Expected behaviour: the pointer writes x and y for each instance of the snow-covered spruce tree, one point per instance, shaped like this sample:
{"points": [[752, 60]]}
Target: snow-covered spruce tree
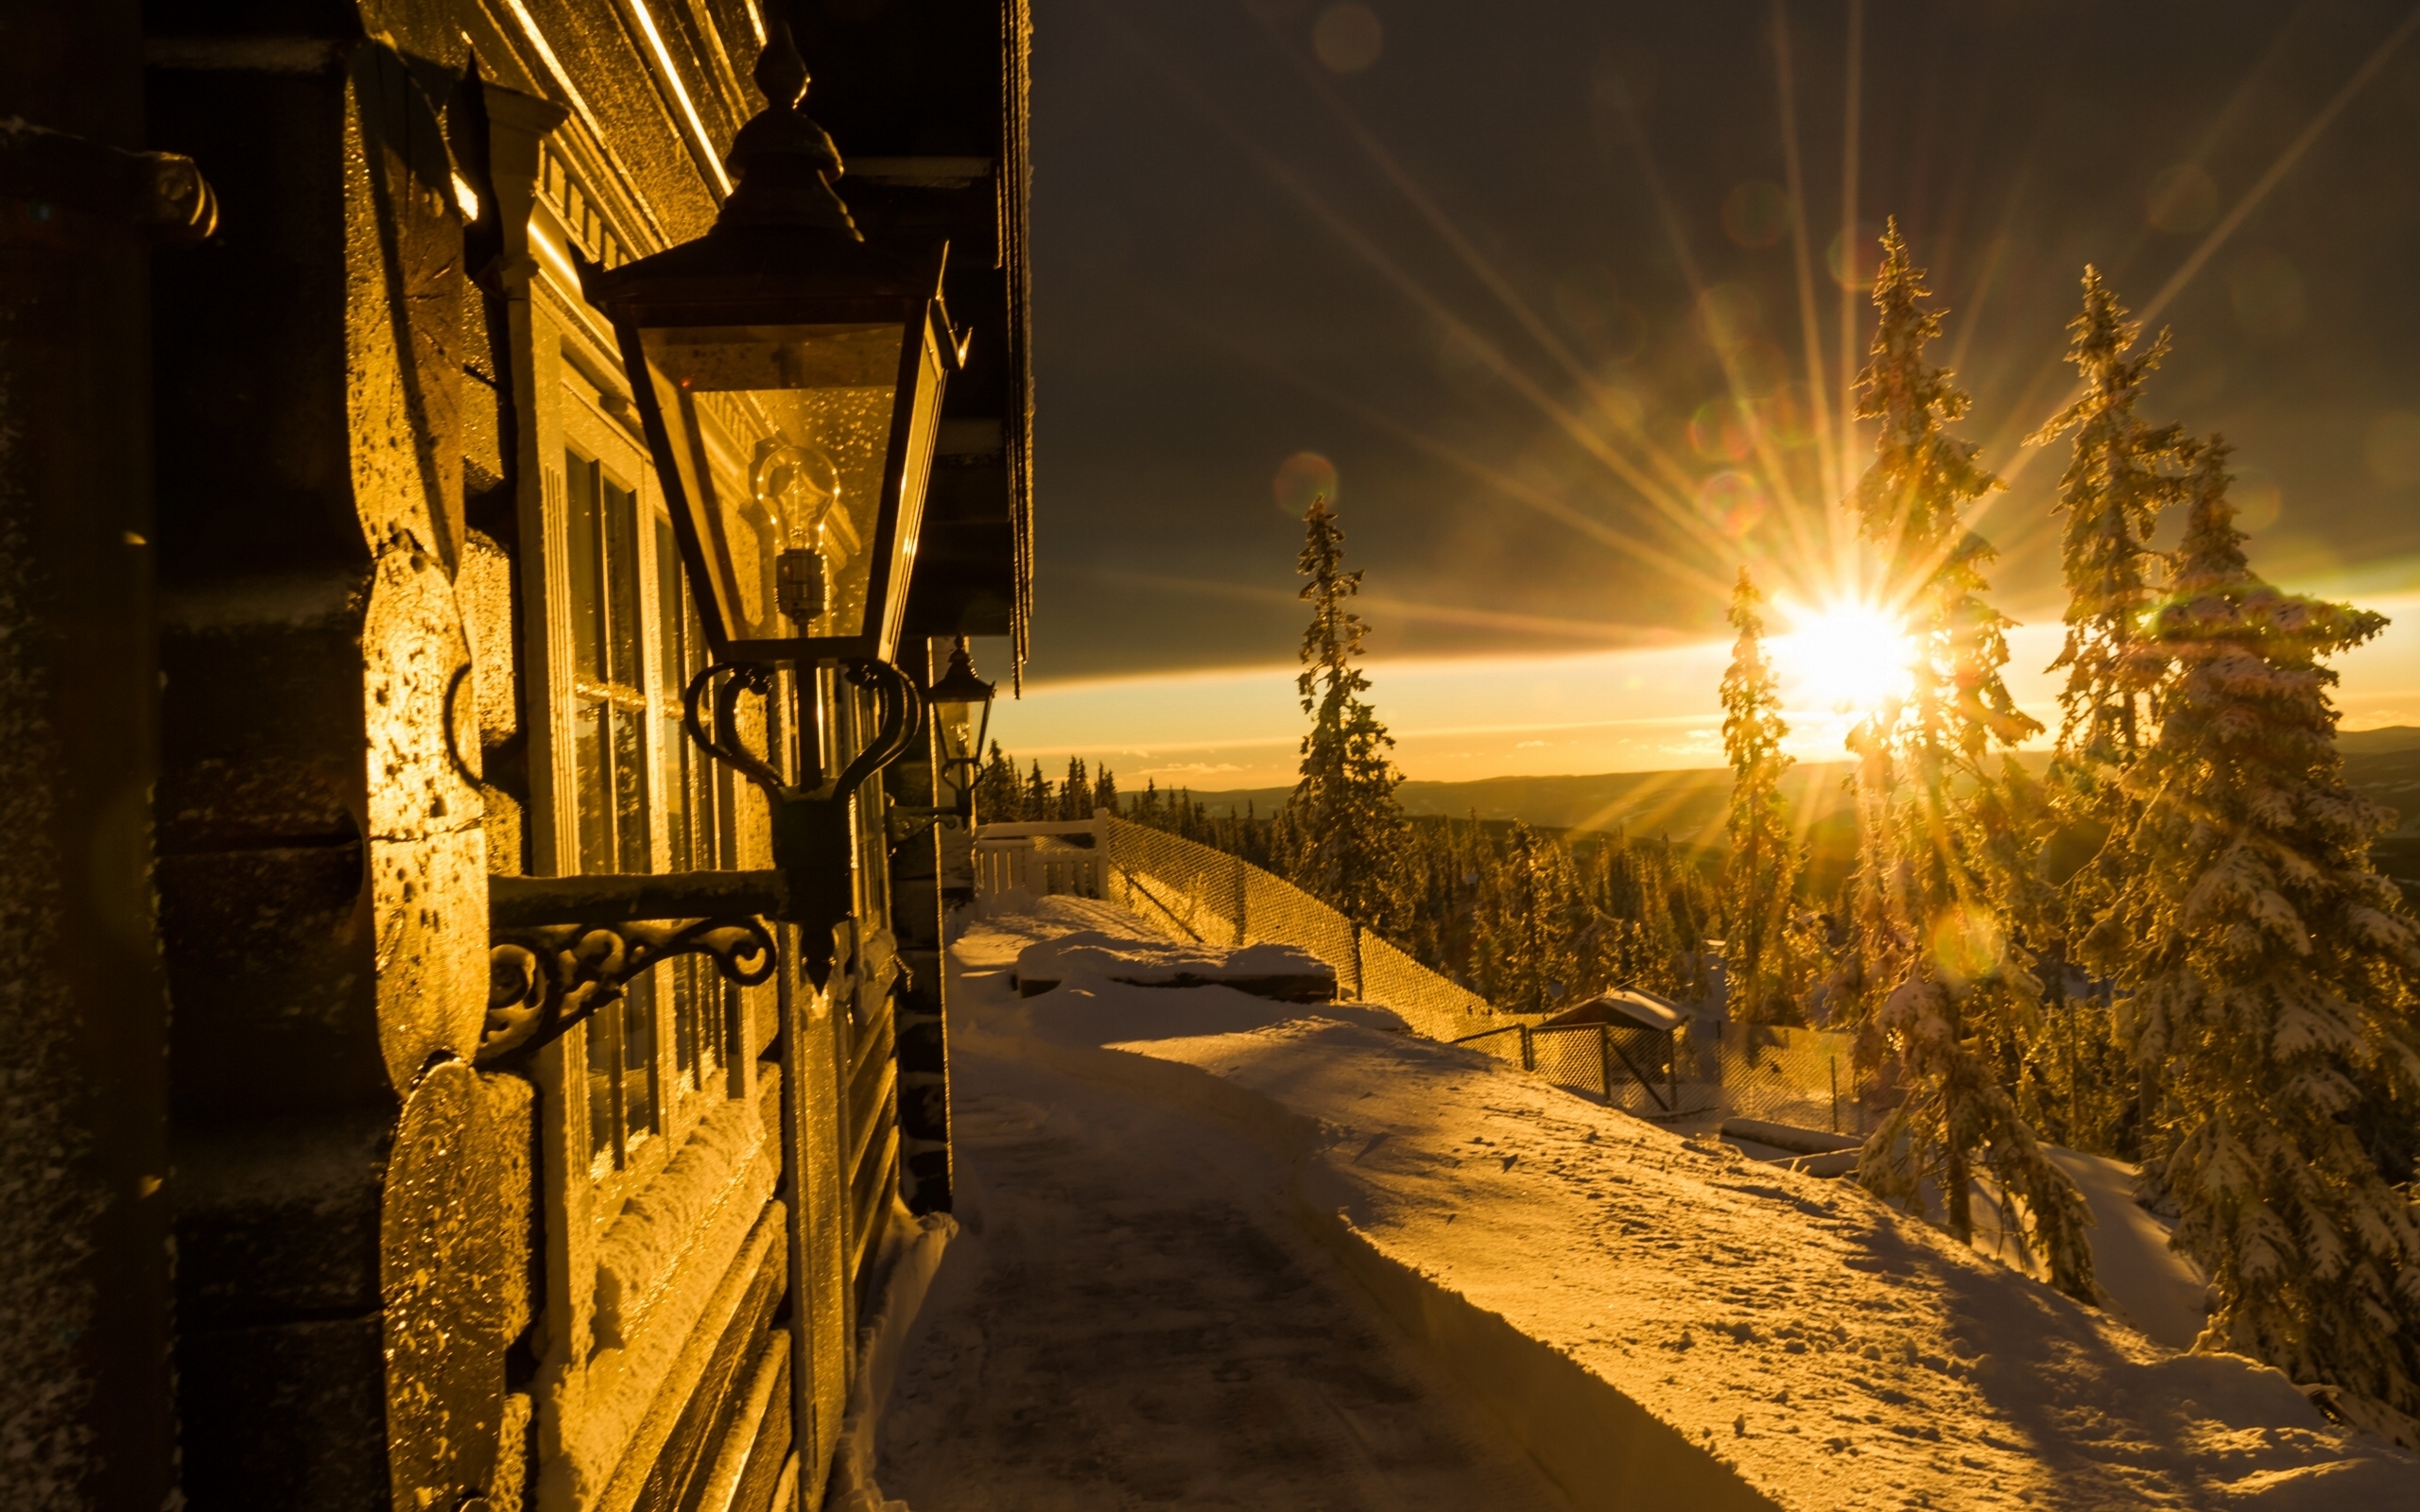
{"points": [[1076, 793], [1760, 875], [2268, 970], [1350, 828], [2122, 473], [998, 795], [1947, 963], [1529, 916]]}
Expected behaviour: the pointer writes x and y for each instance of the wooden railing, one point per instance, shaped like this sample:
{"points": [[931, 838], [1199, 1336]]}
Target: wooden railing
{"points": [[1042, 858]]}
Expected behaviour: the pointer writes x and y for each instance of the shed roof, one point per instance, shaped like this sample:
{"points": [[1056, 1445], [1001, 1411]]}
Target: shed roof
{"points": [[1627, 1007]]}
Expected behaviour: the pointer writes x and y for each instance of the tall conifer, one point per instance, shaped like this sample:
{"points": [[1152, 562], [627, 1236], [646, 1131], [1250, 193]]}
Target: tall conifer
{"points": [[2268, 970], [1942, 959], [2122, 473], [998, 795], [1760, 876], [1525, 928], [1076, 793], [1349, 827]]}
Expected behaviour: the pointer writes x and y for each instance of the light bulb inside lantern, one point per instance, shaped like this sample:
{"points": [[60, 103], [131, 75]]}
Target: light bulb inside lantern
{"points": [[799, 487]]}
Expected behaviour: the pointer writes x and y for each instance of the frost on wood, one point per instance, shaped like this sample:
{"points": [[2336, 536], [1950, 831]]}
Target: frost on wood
{"points": [[677, 1259], [47, 1185], [440, 1259], [427, 851], [642, 1252]]}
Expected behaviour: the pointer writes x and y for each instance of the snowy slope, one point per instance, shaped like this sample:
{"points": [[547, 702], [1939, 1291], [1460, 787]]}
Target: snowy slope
{"points": [[1662, 1316]]}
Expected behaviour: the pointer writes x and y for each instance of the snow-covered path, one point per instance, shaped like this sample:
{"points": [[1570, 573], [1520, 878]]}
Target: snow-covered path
{"points": [[1658, 1321], [1124, 1319]]}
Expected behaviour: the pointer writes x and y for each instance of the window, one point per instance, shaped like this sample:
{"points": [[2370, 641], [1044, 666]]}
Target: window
{"points": [[610, 710], [646, 798], [695, 808]]}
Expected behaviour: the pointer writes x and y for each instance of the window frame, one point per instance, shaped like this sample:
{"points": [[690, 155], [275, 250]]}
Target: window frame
{"points": [[621, 1164]]}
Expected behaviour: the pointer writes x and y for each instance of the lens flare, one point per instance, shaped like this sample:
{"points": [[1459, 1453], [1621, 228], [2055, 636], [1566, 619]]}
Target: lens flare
{"points": [[1852, 258], [1967, 945], [2266, 292], [1847, 657], [1756, 214], [1347, 38], [1731, 502], [1760, 368], [1786, 417], [2393, 448], [2257, 498], [1300, 478], [1719, 433], [1728, 315], [2182, 200]]}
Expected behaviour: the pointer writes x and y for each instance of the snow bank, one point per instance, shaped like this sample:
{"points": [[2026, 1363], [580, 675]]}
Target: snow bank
{"points": [[1263, 970], [914, 1246], [1659, 1319]]}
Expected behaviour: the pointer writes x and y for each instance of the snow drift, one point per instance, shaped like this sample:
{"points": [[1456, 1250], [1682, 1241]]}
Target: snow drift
{"points": [[1657, 1318]]}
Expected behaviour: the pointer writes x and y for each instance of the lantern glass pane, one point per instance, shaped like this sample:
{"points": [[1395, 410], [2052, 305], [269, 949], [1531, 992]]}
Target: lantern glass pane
{"points": [[780, 434], [954, 722]]}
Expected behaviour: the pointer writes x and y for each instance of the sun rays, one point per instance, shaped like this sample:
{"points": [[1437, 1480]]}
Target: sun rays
{"points": [[1757, 470]]}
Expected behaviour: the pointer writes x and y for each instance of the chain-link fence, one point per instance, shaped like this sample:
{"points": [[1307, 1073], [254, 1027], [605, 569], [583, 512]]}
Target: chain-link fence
{"points": [[1207, 895], [1637, 1070], [1805, 1077], [1435, 1006]]}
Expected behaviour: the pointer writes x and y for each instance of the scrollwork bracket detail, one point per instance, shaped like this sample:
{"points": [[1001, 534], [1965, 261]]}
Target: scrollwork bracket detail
{"points": [[544, 980]]}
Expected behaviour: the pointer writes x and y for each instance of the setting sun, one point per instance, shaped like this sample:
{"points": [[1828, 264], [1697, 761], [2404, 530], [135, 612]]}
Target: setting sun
{"points": [[1844, 659]]}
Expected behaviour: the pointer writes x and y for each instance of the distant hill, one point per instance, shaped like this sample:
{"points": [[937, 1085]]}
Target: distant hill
{"points": [[2388, 741], [1688, 805], [2383, 765]]}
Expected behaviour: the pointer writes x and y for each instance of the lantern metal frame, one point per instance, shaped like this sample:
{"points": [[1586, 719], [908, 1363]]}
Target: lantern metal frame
{"points": [[958, 684], [788, 276]]}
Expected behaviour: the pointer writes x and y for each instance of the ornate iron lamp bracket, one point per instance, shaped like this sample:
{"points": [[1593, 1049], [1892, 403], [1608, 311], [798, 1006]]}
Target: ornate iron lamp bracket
{"points": [[559, 948], [542, 981]]}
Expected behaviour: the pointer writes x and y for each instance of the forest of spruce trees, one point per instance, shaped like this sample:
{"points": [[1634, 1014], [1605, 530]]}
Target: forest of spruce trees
{"points": [[2172, 948], [1533, 920]]}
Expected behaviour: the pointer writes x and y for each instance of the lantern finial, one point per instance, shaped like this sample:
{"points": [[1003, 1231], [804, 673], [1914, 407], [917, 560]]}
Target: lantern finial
{"points": [[781, 73], [784, 162]]}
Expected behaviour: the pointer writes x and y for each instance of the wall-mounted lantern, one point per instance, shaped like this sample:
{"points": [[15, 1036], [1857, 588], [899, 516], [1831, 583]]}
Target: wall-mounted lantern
{"points": [[962, 708], [788, 374]]}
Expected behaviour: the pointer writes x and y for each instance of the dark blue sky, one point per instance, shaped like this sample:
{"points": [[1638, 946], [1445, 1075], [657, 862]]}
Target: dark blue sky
{"points": [[1489, 274]]}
